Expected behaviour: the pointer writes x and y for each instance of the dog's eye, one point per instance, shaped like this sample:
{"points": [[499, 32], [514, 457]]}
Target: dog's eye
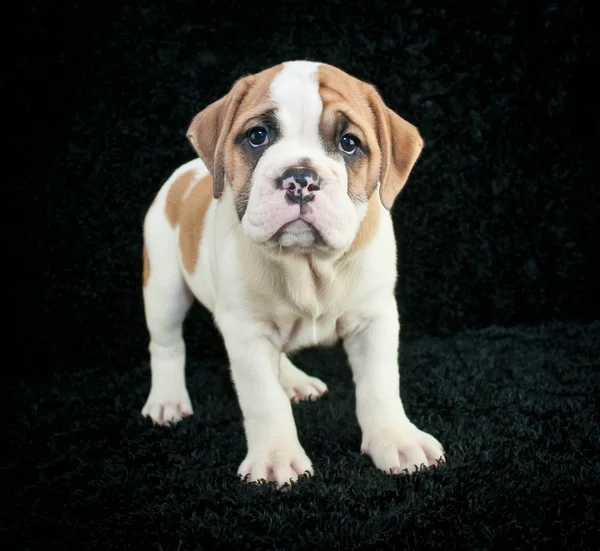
{"points": [[258, 136], [349, 144]]}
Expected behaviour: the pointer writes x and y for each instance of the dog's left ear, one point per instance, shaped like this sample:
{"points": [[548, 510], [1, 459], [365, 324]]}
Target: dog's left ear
{"points": [[400, 144], [210, 128]]}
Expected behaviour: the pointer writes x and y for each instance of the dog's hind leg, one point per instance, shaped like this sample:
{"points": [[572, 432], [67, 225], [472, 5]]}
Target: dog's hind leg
{"points": [[167, 300]]}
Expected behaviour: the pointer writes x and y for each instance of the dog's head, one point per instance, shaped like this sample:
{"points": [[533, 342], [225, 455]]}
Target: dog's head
{"points": [[303, 146]]}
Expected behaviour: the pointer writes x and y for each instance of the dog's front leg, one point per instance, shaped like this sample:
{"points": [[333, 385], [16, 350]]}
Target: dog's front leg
{"points": [[389, 438], [274, 451]]}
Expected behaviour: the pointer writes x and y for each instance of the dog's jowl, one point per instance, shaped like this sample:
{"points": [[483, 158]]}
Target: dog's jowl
{"points": [[282, 229]]}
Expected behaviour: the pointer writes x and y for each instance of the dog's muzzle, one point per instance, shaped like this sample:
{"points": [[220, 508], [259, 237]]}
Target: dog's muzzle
{"points": [[300, 184]]}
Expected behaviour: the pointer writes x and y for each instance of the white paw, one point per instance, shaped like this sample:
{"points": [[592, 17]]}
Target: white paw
{"points": [[167, 407], [276, 462], [404, 446], [299, 386]]}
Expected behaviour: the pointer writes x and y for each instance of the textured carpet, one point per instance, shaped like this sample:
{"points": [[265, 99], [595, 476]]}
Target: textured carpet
{"points": [[515, 409], [497, 227]]}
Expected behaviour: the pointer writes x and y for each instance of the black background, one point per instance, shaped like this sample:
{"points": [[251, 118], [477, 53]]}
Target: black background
{"points": [[499, 221]]}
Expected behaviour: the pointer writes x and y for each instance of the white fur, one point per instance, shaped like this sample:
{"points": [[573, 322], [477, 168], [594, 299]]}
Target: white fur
{"points": [[295, 90], [266, 304]]}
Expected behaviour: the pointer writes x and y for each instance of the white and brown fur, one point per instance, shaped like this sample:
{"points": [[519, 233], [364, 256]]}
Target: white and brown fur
{"points": [[221, 230]]}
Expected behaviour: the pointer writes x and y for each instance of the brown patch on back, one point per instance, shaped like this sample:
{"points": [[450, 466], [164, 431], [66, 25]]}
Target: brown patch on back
{"points": [[368, 227], [191, 215], [175, 196], [187, 212], [146, 262]]}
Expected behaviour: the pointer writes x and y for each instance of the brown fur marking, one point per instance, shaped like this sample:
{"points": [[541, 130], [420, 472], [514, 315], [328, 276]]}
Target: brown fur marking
{"points": [[175, 196], [343, 96], [254, 103], [213, 129], [192, 212], [368, 227], [394, 143]]}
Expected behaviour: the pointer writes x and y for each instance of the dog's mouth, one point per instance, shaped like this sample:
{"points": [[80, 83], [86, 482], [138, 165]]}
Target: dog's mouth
{"points": [[298, 233], [298, 225]]}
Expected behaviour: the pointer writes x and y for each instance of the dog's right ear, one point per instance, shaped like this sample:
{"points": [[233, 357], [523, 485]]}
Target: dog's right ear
{"points": [[209, 130]]}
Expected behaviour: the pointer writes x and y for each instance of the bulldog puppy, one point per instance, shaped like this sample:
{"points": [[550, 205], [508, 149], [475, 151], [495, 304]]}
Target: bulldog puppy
{"points": [[281, 229]]}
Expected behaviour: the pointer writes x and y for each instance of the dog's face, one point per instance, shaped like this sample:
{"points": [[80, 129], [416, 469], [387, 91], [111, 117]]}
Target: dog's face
{"points": [[303, 147]]}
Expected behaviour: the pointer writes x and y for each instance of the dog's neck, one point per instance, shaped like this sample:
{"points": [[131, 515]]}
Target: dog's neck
{"points": [[312, 282], [322, 264]]}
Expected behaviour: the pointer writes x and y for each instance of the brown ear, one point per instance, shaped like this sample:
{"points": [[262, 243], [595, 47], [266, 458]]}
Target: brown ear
{"points": [[210, 128], [400, 144]]}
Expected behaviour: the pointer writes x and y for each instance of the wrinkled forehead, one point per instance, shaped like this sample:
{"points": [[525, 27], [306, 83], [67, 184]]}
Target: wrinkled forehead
{"points": [[300, 94], [342, 94]]}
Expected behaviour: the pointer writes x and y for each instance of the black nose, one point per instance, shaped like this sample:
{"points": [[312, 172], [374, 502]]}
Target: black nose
{"points": [[300, 184], [302, 176]]}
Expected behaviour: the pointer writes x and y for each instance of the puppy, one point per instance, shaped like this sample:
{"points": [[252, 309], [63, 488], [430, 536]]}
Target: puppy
{"points": [[281, 229]]}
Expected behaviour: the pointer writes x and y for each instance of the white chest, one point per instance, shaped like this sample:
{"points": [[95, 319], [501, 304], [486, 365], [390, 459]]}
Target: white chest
{"points": [[311, 297], [304, 332]]}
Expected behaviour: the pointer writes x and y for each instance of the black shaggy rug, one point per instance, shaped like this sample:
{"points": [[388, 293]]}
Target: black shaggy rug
{"points": [[517, 410], [498, 286]]}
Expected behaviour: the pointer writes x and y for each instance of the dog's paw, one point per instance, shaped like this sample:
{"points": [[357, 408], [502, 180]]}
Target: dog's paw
{"points": [[309, 388], [394, 449], [276, 463], [300, 386], [168, 408]]}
